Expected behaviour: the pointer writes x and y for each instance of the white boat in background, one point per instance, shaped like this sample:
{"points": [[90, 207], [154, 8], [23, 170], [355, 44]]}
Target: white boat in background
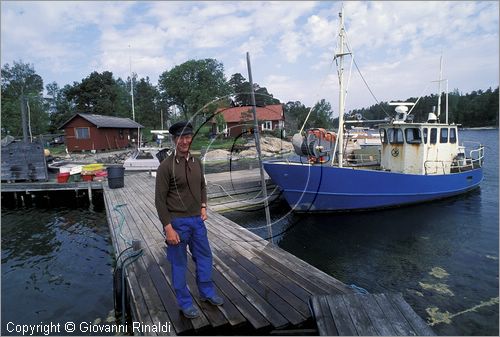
{"points": [[144, 159], [148, 158], [65, 166]]}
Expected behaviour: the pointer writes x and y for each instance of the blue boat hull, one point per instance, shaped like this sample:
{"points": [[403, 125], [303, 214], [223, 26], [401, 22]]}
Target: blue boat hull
{"points": [[322, 188]]}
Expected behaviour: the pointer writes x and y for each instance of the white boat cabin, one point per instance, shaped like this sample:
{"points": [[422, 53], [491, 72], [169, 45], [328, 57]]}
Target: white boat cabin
{"points": [[419, 148]]}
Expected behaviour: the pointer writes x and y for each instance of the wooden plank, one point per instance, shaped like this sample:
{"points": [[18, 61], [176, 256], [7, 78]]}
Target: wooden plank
{"points": [[283, 261], [254, 317], [377, 316], [340, 314], [418, 324], [128, 231], [323, 316], [262, 286], [50, 186], [360, 319], [327, 282], [214, 316], [276, 281], [147, 305], [398, 322], [296, 287], [271, 314]]}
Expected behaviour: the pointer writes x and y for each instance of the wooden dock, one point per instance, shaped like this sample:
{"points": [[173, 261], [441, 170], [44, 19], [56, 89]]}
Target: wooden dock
{"points": [[367, 315], [265, 288], [238, 190]]}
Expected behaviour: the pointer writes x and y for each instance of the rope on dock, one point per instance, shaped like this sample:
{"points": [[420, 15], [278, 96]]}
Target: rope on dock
{"points": [[129, 258]]}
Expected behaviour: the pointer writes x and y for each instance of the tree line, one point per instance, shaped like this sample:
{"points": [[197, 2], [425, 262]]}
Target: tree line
{"points": [[193, 88], [475, 109]]}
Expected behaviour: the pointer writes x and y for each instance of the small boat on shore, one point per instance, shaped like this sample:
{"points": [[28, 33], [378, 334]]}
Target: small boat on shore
{"points": [[145, 159], [419, 162]]}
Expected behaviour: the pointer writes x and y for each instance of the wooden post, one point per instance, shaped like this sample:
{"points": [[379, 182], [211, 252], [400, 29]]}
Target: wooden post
{"points": [[24, 119], [257, 147]]}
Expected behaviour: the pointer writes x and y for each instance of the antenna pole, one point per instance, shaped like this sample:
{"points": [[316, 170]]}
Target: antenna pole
{"points": [[446, 101], [131, 83], [439, 86]]}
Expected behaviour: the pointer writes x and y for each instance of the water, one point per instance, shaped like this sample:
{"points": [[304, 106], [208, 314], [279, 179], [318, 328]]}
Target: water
{"points": [[442, 256], [56, 267]]}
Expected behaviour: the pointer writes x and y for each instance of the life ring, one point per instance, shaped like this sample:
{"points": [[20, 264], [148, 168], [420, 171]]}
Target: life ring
{"points": [[395, 152]]}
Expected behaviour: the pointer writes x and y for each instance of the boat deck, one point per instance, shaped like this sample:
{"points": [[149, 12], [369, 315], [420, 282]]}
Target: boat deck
{"points": [[264, 287]]}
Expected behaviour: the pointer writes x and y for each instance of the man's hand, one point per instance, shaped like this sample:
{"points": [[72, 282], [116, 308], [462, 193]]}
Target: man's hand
{"points": [[204, 214], [172, 238]]}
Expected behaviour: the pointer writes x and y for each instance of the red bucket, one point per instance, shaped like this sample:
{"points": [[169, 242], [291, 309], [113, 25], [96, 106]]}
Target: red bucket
{"points": [[87, 177], [62, 177]]}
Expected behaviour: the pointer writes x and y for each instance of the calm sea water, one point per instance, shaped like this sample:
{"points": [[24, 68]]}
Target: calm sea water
{"points": [[442, 256], [56, 267]]}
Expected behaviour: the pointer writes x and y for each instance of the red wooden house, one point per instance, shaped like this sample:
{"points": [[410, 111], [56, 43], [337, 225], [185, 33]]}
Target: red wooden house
{"points": [[238, 120], [85, 132]]}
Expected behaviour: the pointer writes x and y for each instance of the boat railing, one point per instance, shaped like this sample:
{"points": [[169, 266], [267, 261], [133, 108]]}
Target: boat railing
{"points": [[363, 159], [470, 157]]}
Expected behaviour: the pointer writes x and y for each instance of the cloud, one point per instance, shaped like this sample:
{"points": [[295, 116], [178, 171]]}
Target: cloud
{"points": [[396, 44]]}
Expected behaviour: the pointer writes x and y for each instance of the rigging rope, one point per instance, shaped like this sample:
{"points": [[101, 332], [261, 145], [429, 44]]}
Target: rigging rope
{"points": [[362, 77]]}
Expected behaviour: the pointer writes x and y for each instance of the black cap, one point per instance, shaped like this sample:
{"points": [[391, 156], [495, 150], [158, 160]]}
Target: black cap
{"points": [[181, 129]]}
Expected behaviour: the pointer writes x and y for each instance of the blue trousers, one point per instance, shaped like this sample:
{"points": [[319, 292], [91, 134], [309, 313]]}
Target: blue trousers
{"points": [[193, 233]]}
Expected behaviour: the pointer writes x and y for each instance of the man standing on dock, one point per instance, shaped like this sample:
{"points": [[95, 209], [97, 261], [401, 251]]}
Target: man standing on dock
{"points": [[180, 198]]}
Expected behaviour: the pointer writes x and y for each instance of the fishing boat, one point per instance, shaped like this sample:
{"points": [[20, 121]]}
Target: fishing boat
{"points": [[419, 162]]}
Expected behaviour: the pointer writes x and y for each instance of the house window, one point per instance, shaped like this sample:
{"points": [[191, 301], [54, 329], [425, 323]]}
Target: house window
{"points": [[267, 125], [82, 133], [120, 133], [444, 135], [413, 136]]}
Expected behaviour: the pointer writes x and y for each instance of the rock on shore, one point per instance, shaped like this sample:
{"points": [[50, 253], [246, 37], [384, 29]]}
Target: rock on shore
{"points": [[270, 146]]}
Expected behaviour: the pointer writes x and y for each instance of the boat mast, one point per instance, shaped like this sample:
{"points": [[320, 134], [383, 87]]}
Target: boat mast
{"points": [[340, 55], [439, 87]]}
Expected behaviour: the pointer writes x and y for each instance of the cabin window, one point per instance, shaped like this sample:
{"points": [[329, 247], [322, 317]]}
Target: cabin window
{"points": [[395, 136], [425, 135], [120, 133], [444, 135], [383, 136], [433, 138], [413, 136], [453, 135], [82, 133]]}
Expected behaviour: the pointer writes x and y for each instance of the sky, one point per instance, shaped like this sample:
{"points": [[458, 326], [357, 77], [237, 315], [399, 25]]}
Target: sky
{"points": [[396, 45]]}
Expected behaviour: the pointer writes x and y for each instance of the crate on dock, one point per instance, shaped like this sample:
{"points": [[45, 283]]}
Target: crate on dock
{"points": [[24, 162]]}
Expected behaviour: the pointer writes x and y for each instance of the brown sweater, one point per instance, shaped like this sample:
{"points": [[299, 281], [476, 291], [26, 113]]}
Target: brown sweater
{"points": [[180, 188]]}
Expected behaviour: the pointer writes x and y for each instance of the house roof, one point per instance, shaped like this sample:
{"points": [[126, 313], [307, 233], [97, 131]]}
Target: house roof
{"points": [[106, 121], [269, 113]]}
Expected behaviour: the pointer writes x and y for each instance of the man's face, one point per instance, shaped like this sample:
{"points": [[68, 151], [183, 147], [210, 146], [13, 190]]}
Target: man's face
{"points": [[182, 143]]}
